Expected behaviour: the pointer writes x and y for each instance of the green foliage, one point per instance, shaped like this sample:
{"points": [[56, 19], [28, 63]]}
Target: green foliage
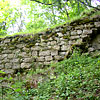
{"points": [[77, 78]]}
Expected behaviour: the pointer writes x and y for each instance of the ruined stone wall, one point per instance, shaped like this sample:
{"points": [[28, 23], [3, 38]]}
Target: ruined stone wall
{"points": [[27, 51]]}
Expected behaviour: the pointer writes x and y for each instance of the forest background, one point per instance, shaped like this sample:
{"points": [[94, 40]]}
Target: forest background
{"points": [[32, 16]]}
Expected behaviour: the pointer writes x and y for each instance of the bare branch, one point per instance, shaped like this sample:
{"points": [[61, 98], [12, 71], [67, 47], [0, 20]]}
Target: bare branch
{"points": [[42, 2]]}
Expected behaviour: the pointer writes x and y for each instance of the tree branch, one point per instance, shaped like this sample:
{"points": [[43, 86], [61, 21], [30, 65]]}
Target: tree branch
{"points": [[88, 5], [42, 2]]}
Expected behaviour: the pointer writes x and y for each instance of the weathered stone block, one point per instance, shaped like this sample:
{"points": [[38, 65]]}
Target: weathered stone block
{"points": [[7, 51], [87, 32], [35, 48], [47, 63], [2, 66], [48, 58], [97, 24], [79, 27], [9, 71], [78, 41], [20, 45], [53, 42], [28, 60], [44, 53], [62, 43], [40, 59], [83, 36], [6, 40], [23, 54], [54, 52], [49, 43], [65, 48], [3, 56], [37, 44], [16, 66], [56, 47], [62, 53], [58, 57], [25, 65], [8, 65], [34, 53], [74, 37], [73, 33], [60, 34], [10, 56], [79, 31]]}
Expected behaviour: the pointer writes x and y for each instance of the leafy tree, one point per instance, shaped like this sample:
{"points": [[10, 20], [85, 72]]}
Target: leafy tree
{"points": [[63, 5]]}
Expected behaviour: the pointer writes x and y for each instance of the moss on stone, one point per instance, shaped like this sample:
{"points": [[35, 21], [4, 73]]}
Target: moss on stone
{"points": [[66, 37]]}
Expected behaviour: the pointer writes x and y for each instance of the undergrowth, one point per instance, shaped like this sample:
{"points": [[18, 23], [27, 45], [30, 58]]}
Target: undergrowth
{"points": [[75, 78]]}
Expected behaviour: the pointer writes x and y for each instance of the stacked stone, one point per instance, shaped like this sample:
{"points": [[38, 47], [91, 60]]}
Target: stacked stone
{"points": [[27, 51]]}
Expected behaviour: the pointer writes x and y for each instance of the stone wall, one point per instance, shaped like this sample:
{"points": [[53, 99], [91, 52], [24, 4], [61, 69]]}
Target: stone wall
{"points": [[53, 45]]}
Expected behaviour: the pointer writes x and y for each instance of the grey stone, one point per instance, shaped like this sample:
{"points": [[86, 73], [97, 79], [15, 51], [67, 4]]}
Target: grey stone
{"points": [[40, 59], [79, 27], [25, 65], [35, 48], [56, 47], [48, 58], [2, 66], [37, 44], [83, 36], [97, 24], [49, 43], [53, 42], [5, 60], [7, 51], [9, 71], [50, 39], [44, 53], [79, 31], [90, 49], [88, 25], [26, 49], [62, 43], [3, 56], [62, 53], [10, 56], [16, 66], [23, 54], [65, 48], [57, 57], [28, 60], [20, 45], [43, 44], [57, 39], [54, 52], [75, 37], [8, 65], [62, 39], [87, 32], [47, 63], [60, 34], [6, 40], [34, 53], [78, 41], [73, 33]]}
